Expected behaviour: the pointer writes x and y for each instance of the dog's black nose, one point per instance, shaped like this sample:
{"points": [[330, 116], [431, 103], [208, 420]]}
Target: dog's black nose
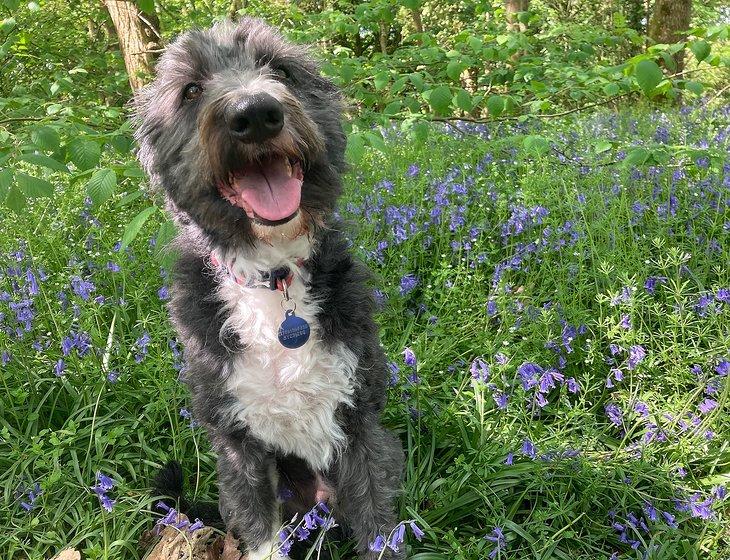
{"points": [[256, 118]]}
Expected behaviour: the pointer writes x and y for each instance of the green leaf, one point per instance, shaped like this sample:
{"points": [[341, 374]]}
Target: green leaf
{"points": [[417, 81], [419, 131], [375, 139], [392, 108], [355, 148], [129, 198], [165, 234], [101, 185], [495, 105], [33, 186], [15, 200], [636, 156], [701, 50], [84, 153], [454, 69], [381, 80], [45, 138], [648, 75], [147, 6], [6, 181], [463, 100], [135, 225], [611, 89], [695, 87], [44, 161], [11, 5], [535, 144], [603, 146], [439, 99]]}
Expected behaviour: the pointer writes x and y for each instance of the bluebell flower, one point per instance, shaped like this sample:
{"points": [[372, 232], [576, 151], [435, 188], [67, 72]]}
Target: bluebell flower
{"points": [[572, 385], [496, 537], [614, 414], [163, 293], [378, 545], [409, 357], [416, 530], [397, 537], [641, 409], [636, 356], [479, 370], [408, 283], [59, 368], [82, 288], [528, 449], [707, 405], [501, 400]]}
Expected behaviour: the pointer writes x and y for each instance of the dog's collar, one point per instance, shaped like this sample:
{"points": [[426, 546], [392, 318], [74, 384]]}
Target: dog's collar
{"points": [[273, 279]]}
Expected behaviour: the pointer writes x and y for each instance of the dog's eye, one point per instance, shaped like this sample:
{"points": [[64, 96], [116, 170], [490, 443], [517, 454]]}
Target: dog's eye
{"points": [[281, 72], [192, 92]]}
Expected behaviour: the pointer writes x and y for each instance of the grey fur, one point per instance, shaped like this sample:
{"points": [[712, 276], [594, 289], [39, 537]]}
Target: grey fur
{"points": [[184, 149]]}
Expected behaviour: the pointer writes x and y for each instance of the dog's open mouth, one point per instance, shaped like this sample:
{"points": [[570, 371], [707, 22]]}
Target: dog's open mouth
{"points": [[269, 190]]}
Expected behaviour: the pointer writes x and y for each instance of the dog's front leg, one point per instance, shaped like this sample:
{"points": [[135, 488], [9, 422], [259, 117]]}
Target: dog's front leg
{"points": [[367, 479], [247, 486]]}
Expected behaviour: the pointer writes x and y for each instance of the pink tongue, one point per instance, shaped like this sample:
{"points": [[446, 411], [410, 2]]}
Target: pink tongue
{"points": [[268, 190]]}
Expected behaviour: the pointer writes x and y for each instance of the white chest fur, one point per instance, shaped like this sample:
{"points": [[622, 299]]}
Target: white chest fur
{"points": [[286, 397]]}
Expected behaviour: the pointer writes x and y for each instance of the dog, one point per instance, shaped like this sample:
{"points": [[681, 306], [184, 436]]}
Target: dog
{"points": [[283, 361]]}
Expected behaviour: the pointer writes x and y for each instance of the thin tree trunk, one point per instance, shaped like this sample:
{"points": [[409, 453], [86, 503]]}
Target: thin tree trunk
{"points": [[417, 21], [137, 37], [669, 24], [511, 8], [383, 35]]}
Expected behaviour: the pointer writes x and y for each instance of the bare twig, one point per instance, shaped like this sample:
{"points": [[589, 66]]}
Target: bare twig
{"points": [[718, 94]]}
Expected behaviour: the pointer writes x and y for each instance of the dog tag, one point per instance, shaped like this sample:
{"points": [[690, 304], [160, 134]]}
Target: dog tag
{"points": [[294, 331]]}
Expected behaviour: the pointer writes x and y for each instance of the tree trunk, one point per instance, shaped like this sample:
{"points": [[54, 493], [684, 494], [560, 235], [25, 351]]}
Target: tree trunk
{"points": [[137, 35], [669, 24], [511, 8], [417, 21], [383, 35]]}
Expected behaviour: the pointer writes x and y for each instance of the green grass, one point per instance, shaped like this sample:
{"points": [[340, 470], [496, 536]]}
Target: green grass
{"points": [[60, 431]]}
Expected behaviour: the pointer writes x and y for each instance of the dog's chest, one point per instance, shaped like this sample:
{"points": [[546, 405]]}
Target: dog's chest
{"points": [[286, 397]]}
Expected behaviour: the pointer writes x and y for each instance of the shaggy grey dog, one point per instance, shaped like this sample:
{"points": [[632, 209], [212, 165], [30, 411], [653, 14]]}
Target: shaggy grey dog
{"points": [[243, 134]]}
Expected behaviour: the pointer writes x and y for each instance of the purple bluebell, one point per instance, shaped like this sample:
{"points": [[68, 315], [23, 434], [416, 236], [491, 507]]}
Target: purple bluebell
{"points": [[723, 368], [614, 414], [651, 283], [479, 370], [82, 288], [707, 405], [408, 283], [636, 356], [59, 368], [501, 400], [496, 537], [163, 293], [416, 530], [572, 385], [528, 449], [378, 545], [409, 357], [641, 409]]}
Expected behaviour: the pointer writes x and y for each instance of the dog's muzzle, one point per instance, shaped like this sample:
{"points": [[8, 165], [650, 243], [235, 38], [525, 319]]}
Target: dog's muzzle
{"points": [[255, 119]]}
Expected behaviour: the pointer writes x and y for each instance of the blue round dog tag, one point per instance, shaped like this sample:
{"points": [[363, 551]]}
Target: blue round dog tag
{"points": [[294, 331]]}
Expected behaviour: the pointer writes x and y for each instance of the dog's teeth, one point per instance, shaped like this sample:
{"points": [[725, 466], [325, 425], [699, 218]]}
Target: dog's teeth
{"points": [[288, 167]]}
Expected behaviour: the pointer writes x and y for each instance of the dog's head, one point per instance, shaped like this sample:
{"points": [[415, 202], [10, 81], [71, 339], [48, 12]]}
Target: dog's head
{"points": [[243, 133]]}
